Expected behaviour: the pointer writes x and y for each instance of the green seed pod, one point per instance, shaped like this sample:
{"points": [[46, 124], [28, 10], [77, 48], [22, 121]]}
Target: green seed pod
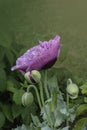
{"points": [[27, 99], [33, 77], [72, 90]]}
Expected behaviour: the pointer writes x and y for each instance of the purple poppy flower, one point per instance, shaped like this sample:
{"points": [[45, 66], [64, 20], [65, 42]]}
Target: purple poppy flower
{"points": [[39, 57]]}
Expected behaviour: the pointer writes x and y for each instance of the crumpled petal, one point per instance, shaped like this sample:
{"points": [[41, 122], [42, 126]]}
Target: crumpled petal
{"points": [[39, 57]]}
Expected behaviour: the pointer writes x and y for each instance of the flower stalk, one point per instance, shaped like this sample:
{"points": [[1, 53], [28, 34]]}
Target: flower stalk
{"points": [[45, 85], [37, 94], [67, 100], [43, 103], [67, 105]]}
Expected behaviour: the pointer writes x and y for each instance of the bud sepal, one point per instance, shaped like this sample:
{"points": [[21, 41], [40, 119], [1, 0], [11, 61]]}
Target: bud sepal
{"points": [[27, 99]]}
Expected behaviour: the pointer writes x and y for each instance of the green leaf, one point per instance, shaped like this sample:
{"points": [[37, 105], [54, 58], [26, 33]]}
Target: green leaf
{"points": [[23, 127], [10, 87], [2, 119], [84, 88], [46, 128], [36, 121], [78, 80], [61, 111], [2, 80], [85, 99], [17, 96], [54, 100], [84, 127], [65, 128], [80, 124], [72, 114], [59, 118], [7, 112], [53, 87], [16, 110], [13, 81], [81, 109], [84, 91], [27, 111], [53, 84]]}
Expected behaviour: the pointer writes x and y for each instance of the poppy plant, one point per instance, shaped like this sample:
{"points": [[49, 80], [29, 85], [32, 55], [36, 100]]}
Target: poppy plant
{"points": [[39, 57]]}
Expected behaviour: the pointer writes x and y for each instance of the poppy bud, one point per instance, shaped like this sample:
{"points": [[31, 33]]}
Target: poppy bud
{"points": [[73, 90], [27, 77], [27, 98], [33, 77]]}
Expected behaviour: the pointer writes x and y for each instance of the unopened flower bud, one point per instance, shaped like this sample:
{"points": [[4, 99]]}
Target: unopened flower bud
{"points": [[36, 76], [72, 90], [27, 98], [27, 77], [33, 77]]}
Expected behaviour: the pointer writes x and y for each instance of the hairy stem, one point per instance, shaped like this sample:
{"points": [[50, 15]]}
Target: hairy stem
{"points": [[45, 85], [37, 94], [67, 103], [43, 103]]}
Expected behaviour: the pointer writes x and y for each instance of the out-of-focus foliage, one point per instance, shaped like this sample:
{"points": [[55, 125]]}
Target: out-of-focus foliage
{"points": [[12, 113]]}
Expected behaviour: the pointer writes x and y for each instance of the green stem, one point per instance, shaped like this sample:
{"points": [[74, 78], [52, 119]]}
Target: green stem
{"points": [[41, 93], [43, 103], [11, 89], [37, 93], [45, 85], [67, 103]]}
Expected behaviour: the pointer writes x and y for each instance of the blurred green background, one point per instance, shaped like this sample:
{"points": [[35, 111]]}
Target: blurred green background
{"points": [[29, 21]]}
